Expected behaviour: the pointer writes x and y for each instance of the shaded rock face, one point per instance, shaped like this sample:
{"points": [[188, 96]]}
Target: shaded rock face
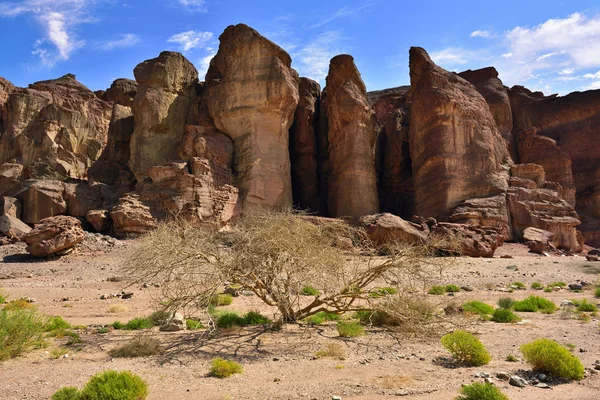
{"points": [[54, 235], [41, 199], [252, 96], [166, 88], [122, 92], [112, 166], [544, 151], [396, 188], [12, 227], [304, 147], [456, 150], [487, 83], [11, 175], [58, 123], [351, 136], [573, 122]]}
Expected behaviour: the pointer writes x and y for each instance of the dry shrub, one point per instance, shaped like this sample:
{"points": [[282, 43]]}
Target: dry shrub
{"points": [[137, 347], [276, 255], [331, 349]]}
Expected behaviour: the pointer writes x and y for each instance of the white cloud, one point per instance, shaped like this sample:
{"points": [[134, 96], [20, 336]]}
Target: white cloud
{"points": [[204, 62], [507, 55], [193, 5], [566, 71], [122, 41], [451, 56], [312, 59], [345, 11], [482, 34], [57, 18], [191, 40], [593, 86]]}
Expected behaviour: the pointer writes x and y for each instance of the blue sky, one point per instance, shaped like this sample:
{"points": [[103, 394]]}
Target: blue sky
{"points": [[553, 46]]}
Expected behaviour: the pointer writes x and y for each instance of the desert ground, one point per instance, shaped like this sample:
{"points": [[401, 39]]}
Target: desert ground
{"points": [[281, 364]]}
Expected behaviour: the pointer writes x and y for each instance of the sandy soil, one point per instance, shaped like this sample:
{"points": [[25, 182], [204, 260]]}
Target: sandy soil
{"points": [[281, 364]]}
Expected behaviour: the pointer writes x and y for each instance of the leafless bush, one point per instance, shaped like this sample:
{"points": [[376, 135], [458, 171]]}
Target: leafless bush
{"points": [[275, 255]]}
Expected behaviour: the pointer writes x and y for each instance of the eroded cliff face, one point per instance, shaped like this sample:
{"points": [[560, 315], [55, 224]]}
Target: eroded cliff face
{"points": [[456, 149], [252, 97], [351, 137]]}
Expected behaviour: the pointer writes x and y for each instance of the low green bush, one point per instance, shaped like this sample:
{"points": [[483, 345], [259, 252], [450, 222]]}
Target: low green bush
{"points": [[518, 285], [512, 358], [114, 385], [505, 303], [320, 317], [221, 368], [545, 355], [535, 304], [350, 329], [597, 292], [504, 316], [135, 324], [20, 330], [383, 291], [221, 300], [255, 318], [466, 348], [452, 289], [66, 393], [481, 391], [479, 308], [558, 284], [585, 306], [537, 286], [309, 291], [193, 324], [232, 319], [437, 290], [159, 318], [56, 323]]}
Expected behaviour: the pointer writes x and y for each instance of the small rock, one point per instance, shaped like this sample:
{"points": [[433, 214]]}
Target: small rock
{"points": [[336, 398], [505, 376], [575, 286], [482, 374], [542, 377], [489, 380], [467, 288], [597, 365], [517, 381], [592, 258], [567, 303], [126, 296], [542, 385], [174, 324]]}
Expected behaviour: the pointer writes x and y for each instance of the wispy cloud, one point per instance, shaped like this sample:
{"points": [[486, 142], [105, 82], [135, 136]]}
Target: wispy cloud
{"points": [[57, 18], [345, 11], [122, 41], [451, 56], [312, 59], [482, 34], [191, 40], [193, 5], [204, 62]]}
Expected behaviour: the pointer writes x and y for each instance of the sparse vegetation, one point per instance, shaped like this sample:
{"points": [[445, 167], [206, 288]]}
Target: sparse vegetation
{"points": [[512, 358], [437, 290], [116, 309], [350, 329], [137, 347], [309, 291], [466, 348], [221, 300], [135, 324], [479, 308], [545, 355], [55, 324], [537, 286], [597, 292], [452, 289], [481, 391], [331, 349], [535, 304], [383, 291], [558, 284], [193, 324], [320, 317], [504, 316], [159, 317], [585, 306], [518, 285], [20, 330], [506, 303], [221, 368]]}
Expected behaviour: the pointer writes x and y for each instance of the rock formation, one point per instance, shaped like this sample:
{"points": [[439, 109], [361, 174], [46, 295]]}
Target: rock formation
{"points": [[303, 147], [253, 93], [122, 92], [387, 228], [166, 87], [351, 136], [456, 150], [54, 235], [6, 88]]}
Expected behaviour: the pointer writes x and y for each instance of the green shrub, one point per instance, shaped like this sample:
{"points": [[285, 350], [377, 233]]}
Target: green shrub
{"points": [[193, 324], [506, 303], [66, 393], [56, 323], [466, 348], [478, 307], [511, 358], [114, 385], [102, 330], [221, 368], [586, 306], [20, 304], [504, 316], [309, 291], [350, 329], [548, 290], [597, 292], [437, 290], [138, 347], [221, 300], [481, 391], [518, 285], [535, 304], [118, 325], [452, 289], [137, 324], [159, 318], [229, 320], [383, 291], [255, 318], [375, 318], [545, 355], [537, 286], [558, 284], [20, 330], [320, 317]]}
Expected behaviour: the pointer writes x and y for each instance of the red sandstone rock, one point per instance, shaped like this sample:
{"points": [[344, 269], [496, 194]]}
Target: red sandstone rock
{"points": [[12, 227], [99, 219], [131, 218], [81, 198], [10, 206], [54, 235], [41, 199], [388, 228], [122, 91], [474, 241]]}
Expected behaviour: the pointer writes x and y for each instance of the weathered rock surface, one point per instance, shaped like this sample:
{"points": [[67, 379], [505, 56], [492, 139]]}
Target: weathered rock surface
{"points": [[351, 135], [303, 147], [81, 198], [54, 235], [6, 89], [41, 199], [12, 227], [59, 123], [538, 240], [544, 151], [490, 212], [10, 206], [252, 96], [387, 228], [99, 219], [11, 175], [473, 241], [396, 188], [456, 150], [122, 91], [487, 83], [131, 218], [166, 88]]}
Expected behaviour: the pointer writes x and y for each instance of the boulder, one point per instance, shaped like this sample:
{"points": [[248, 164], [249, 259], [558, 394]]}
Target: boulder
{"points": [[12, 227], [490, 212], [473, 241], [59, 123], [10, 206], [99, 219], [54, 235], [351, 134], [131, 217], [41, 199], [538, 240], [387, 228], [252, 96], [10, 178], [456, 149], [81, 198], [122, 91], [303, 148], [166, 88]]}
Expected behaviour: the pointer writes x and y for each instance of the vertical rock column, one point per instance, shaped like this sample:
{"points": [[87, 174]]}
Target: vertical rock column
{"points": [[252, 96], [351, 133]]}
